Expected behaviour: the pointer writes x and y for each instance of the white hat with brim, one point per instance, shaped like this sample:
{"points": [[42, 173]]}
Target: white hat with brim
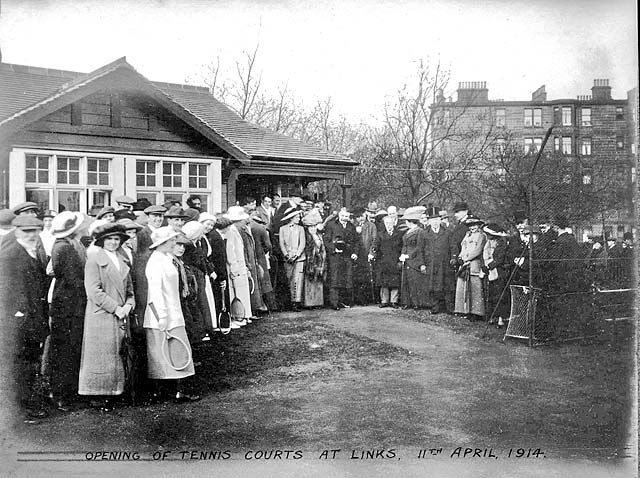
{"points": [[413, 213], [66, 223], [205, 216], [193, 230], [291, 213], [236, 213], [162, 235]]}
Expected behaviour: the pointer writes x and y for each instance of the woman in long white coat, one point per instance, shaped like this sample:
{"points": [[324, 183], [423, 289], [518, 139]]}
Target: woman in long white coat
{"points": [[469, 290], [237, 271], [168, 358]]}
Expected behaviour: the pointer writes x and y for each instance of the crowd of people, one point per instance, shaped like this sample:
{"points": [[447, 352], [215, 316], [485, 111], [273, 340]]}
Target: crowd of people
{"points": [[161, 280]]}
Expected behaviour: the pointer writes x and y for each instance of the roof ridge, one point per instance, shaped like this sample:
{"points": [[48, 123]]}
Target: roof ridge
{"points": [[38, 70], [182, 86]]}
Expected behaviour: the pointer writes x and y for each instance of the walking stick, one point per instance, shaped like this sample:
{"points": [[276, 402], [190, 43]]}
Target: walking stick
{"points": [[373, 291], [402, 291]]}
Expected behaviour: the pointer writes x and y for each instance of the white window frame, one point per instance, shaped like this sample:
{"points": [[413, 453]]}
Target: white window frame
{"points": [[528, 117], [501, 117], [566, 116], [567, 146], [537, 117], [585, 122], [585, 146], [184, 191], [54, 188]]}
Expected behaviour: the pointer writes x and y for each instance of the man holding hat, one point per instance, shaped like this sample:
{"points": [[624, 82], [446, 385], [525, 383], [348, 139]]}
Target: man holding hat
{"points": [[23, 289], [341, 243]]}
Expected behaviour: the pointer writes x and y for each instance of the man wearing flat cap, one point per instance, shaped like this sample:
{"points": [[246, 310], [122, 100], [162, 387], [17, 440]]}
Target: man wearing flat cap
{"points": [[26, 209], [23, 289]]}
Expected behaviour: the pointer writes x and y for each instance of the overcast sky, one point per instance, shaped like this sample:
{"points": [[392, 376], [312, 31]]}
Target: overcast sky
{"points": [[357, 52]]}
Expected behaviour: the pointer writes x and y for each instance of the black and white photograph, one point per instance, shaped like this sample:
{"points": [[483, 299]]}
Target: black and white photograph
{"points": [[319, 238]]}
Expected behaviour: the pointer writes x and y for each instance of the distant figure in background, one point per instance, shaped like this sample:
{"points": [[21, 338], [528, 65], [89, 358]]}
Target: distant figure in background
{"points": [[47, 238]]}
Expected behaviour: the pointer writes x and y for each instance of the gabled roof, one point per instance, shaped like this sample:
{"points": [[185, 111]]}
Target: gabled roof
{"points": [[30, 93]]}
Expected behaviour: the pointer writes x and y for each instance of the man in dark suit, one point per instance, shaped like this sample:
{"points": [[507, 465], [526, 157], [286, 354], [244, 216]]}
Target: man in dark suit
{"points": [[342, 245], [27, 209], [264, 211], [23, 289]]}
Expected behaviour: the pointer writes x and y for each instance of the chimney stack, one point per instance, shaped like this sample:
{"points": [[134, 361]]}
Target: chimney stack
{"points": [[601, 89], [473, 92], [539, 95]]}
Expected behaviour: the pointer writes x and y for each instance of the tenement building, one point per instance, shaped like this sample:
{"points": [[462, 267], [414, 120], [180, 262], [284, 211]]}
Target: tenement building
{"points": [[75, 141], [593, 137]]}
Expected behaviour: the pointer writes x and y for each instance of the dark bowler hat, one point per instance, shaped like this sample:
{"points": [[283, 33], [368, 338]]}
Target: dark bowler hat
{"points": [[155, 210], [124, 214], [27, 223], [25, 206], [141, 204], [175, 212], [460, 206]]}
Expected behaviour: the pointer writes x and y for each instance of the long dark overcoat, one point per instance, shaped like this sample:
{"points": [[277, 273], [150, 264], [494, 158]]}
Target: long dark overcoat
{"points": [[387, 252], [340, 263], [68, 304], [436, 254], [414, 292], [263, 247]]}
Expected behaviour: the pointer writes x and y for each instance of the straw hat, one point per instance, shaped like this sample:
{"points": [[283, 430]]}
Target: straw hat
{"points": [[95, 225], [66, 223], [205, 216], [193, 230], [472, 220], [291, 213], [236, 213], [162, 235], [312, 218], [413, 213]]}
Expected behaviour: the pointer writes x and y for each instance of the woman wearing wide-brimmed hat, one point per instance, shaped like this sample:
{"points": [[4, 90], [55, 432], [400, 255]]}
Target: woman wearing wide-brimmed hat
{"points": [[237, 272], [496, 270], [469, 292], [196, 258], [68, 304], [163, 318], [109, 300], [292, 243], [414, 290]]}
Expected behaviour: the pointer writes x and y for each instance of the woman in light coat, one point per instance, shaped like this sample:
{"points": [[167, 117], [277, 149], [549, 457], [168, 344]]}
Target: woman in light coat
{"points": [[164, 315], [292, 245], [469, 291], [109, 300], [237, 271]]}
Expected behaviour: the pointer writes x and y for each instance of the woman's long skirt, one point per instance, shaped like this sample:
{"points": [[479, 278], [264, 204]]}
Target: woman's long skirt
{"points": [[414, 292], [469, 296], [159, 366], [240, 288], [313, 292], [101, 368], [211, 304]]}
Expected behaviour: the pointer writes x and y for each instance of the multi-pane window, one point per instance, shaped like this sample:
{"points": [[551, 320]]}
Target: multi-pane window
{"points": [[537, 144], [585, 146], [566, 116], [537, 117], [619, 143], [68, 170], [171, 174], [97, 172], [197, 176], [586, 116], [566, 145], [556, 143], [146, 173], [528, 117], [619, 112], [501, 119], [37, 168], [528, 146]]}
